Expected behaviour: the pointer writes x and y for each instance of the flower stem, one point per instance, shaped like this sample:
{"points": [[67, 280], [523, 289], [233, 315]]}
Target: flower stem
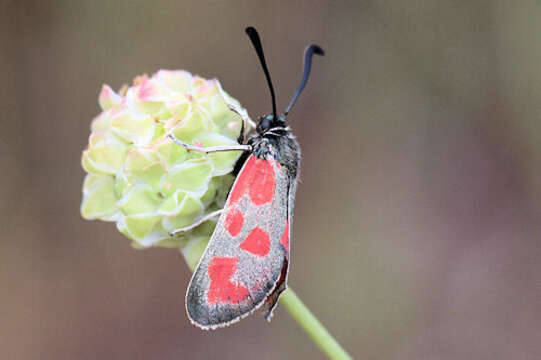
{"points": [[312, 326]]}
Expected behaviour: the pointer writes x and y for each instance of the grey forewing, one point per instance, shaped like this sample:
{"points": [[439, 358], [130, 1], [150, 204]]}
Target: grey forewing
{"points": [[271, 218]]}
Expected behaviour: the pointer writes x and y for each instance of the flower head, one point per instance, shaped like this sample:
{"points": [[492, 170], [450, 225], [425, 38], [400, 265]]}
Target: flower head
{"points": [[142, 180]]}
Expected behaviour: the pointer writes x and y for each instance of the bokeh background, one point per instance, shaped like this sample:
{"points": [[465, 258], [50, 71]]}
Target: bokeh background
{"points": [[417, 229]]}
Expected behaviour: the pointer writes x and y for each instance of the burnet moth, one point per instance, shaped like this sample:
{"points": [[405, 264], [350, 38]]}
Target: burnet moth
{"points": [[246, 262]]}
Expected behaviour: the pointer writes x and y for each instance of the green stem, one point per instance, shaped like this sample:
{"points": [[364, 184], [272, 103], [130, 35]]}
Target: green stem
{"points": [[312, 326]]}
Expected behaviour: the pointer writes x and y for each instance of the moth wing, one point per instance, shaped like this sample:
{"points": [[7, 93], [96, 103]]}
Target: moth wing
{"points": [[246, 260], [281, 285]]}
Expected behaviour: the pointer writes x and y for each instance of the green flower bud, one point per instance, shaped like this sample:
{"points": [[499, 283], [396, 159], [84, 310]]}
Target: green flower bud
{"points": [[143, 181]]}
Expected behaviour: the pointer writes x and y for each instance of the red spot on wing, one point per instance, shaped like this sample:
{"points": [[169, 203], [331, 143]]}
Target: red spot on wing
{"points": [[242, 181], [257, 242], [262, 187], [258, 178], [285, 236], [234, 221], [221, 289]]}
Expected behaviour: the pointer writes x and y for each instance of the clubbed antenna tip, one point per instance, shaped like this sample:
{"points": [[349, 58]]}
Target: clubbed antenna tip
{"points": [[256, 41], [308, 54]]}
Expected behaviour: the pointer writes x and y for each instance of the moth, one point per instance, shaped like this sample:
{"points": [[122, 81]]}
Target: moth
{"points": [[246, 263]]}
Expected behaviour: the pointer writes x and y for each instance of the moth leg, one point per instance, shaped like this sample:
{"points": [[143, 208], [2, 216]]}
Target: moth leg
{"points": [[197, 223], [245, 120], [210, 149], [240, 139], [240, 112]]}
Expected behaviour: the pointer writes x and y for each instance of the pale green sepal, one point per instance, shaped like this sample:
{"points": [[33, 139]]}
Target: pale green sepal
{"points": [[99, 200]]}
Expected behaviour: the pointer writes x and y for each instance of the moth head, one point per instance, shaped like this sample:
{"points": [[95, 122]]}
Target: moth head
{"points": [[269, 121]]}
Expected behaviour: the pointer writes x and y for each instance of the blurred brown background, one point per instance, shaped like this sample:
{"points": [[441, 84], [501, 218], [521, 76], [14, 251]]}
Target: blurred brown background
{"points": [[417, 229]]}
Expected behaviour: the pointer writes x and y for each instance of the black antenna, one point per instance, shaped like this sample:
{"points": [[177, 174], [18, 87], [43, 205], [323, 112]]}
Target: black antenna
{"points": [[256, 41], [308, 53]]}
